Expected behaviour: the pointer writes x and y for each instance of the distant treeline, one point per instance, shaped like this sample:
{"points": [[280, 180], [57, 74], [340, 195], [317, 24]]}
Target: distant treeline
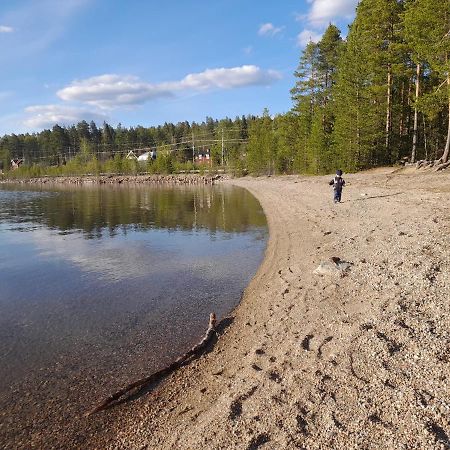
{"points": [[374, 98], [87, 148]]}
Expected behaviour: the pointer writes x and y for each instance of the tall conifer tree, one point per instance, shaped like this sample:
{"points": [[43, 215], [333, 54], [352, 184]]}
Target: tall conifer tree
{"points": [[427, 30], [313, 103], [367, 83]]}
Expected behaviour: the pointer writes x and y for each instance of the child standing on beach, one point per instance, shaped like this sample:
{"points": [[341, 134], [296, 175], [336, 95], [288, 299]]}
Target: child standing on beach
{"points": [[338, 183]]}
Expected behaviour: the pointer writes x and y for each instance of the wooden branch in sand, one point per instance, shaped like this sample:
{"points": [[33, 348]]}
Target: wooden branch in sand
{"points": [[156, 376], [442, 166]]}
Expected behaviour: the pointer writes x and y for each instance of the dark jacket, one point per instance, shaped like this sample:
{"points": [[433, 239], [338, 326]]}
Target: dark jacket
{"points": [[337, 182]]}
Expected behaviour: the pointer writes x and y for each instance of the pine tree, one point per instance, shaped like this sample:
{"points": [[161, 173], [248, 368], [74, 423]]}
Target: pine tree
{"points": [[427, 30], [304, 101], [366, 85], [321, 140], [313, 103], [284, 143], [261, 146], [108, 138], [95, 133], [330, 48]]}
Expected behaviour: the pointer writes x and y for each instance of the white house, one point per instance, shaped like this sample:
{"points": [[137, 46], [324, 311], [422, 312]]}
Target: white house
{"points": [[147, 155]]}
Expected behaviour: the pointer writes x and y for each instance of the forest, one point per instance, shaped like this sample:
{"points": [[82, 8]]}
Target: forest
{"points": [[379, 96]]}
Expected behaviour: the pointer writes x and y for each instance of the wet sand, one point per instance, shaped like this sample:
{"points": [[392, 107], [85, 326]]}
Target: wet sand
{"points": [[319, 362]]}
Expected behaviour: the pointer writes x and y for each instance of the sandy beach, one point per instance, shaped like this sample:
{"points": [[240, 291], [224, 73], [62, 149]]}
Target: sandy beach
{"points": [[352, 360], [355, 359]]}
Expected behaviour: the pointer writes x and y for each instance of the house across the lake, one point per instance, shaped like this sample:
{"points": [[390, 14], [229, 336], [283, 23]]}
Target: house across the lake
{"points": [[203, 157], [149, 154], [16, 163]]}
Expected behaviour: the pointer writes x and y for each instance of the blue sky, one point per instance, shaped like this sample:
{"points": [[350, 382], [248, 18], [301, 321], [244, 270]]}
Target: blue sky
{"points": [[150, 62]]}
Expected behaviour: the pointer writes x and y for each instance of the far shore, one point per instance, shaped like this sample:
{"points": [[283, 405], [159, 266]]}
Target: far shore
{"points": [[119, 179]]}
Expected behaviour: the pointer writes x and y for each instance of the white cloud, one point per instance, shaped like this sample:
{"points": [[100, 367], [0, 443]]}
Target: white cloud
{"points": [[6, 29], [320, 14], [226, 78], [113, 262], [324, 11], [268, 29], [112, 91], [248, 50], [305, 36], [45, 116]]}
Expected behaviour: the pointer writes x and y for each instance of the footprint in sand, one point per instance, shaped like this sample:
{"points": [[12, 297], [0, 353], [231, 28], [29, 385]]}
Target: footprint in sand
{"points": [[236, 405], [275, 376], [258, 441], [302, 424], [306, 342], [319, 350]]}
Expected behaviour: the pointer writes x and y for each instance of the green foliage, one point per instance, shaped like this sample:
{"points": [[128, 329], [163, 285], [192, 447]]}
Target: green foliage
{"points": [[261, 146], [163, 164], [185, 167], [353, 101], [427, 33], [313, 104]]}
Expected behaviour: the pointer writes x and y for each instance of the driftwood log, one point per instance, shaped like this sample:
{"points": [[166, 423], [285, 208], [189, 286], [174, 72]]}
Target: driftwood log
{"points": [[437, 165], [156, 376], [442, 166]]}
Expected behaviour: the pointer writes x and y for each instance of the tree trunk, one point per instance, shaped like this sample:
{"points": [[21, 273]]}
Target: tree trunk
{"points": [[425, 142], [415, 132], [358, 132], [408, 113], [447, 144], [402, 115], [388, 112]]}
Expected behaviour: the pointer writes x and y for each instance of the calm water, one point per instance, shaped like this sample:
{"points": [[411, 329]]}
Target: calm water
{"points": [[102, 285]]}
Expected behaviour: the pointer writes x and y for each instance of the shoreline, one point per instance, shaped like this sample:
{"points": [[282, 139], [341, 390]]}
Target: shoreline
{"points": [[174, 179], [323, 362], [317, 362]]}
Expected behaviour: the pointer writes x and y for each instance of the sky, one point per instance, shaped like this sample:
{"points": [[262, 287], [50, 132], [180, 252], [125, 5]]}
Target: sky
{"points": [[139, 62]]}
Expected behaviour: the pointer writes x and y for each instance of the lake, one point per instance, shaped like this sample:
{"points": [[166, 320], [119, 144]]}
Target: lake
{"points": [[102, 285]]}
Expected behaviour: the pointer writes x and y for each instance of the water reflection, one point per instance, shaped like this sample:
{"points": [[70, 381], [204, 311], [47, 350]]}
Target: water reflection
{"points": [[118, 209]]}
